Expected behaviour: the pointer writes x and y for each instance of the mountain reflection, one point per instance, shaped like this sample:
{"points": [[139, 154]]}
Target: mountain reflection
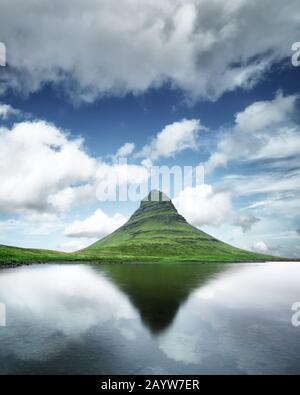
{"points": [[85, 319], [158, 291]]}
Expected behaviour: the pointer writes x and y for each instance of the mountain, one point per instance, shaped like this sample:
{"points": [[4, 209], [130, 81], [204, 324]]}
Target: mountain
{"points": [[154, 233], [157, 232]]}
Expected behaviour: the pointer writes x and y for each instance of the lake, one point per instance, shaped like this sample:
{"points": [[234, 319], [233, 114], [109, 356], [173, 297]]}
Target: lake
{"points": [[150, 319]]}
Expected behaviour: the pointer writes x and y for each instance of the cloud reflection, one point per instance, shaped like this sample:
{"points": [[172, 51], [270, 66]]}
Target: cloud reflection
{"points": [[62, 302]]}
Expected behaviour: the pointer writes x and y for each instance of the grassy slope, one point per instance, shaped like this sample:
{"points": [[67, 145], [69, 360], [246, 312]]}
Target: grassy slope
{"points": [[22, 255], [155, 233]]}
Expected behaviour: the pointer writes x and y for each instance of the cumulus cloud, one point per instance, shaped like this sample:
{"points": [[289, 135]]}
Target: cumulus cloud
{"points": [[203, 47], [65, 198], [97, 225], [174, 138], [203, 206], [263, 114], [43, 169], [37, 160], [265, 129], [265, 140]]}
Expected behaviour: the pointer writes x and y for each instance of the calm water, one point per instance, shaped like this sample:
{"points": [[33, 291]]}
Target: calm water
{"points": [[188, 318]]}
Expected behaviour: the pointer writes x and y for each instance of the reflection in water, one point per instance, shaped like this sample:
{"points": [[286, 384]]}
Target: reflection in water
{"points": [[157, 291], [56, 302], [102, 319], [241, 321]]}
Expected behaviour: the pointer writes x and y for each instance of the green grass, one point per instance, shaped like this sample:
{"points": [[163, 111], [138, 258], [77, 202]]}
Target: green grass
{"points": [[15, 255], [154, 233]]}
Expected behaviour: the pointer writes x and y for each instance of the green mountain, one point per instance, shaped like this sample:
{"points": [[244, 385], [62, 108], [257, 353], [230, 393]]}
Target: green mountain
{"points": [[154, 233]]}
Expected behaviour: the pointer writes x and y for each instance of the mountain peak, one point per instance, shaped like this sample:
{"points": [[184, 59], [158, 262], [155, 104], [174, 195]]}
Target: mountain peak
{"points": [[156, 232], [158, 204], [156, 196]]}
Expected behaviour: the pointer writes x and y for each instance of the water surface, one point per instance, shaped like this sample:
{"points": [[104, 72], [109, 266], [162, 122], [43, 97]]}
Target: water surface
{"points": [[143, 319]]}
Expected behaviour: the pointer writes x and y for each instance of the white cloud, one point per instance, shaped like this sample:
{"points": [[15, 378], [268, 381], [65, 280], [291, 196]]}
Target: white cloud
{"points": [[65, 198], [43, 169], [6, 110], [264, 114], [174, 138], [125, 150], [202, 205], [37, 160], [103, 47], [97, 225], [260, 246], [265, 129], [215, 160]]}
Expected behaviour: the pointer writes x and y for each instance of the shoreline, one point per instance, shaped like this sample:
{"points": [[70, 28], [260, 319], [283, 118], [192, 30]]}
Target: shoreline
{"points": [[14, 265]]}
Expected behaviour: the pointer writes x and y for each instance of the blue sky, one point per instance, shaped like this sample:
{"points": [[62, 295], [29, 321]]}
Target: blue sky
{"points": [[186, 83]]}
